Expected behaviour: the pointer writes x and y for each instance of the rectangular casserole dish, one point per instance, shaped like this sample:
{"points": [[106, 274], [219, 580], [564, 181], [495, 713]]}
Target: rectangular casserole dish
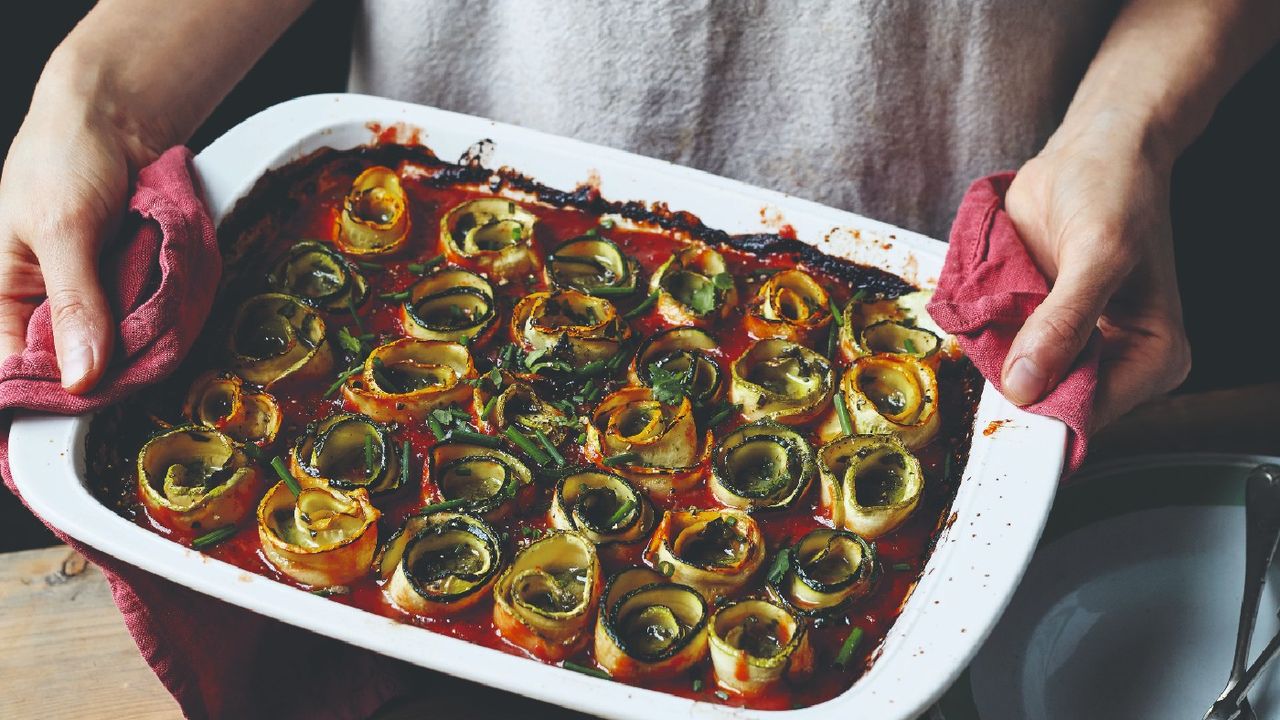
{"points": [[998, 513]]}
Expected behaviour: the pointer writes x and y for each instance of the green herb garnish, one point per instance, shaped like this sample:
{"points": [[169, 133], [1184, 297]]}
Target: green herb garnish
{"points": [[476, 438], [621, 459], [642, 308], [669, 387], [442, 506], [395, 296], [842, 412], [835, 311], [349, 342], [551, 449], [593, 672], [621, 513], [850, 644], [525, 444], [213, 537], [283, 472]]}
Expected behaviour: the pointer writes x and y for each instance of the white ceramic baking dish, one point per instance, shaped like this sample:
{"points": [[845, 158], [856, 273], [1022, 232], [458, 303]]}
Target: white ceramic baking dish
{"points": [[999, 511]]}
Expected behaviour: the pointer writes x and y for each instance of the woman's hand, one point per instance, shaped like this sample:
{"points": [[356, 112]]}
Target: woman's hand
{"points": [[64, 187], [1093, 210]]}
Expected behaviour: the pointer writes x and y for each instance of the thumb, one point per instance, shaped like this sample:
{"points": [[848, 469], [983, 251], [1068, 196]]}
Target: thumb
{"points": [[1055, 333], [82, 323]]}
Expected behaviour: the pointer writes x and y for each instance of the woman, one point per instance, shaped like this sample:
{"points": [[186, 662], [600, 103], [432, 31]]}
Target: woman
{"points": [[887, 109]]}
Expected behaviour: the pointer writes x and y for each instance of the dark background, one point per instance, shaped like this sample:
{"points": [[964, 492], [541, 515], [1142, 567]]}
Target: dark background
{"points": [[1226, 193]]}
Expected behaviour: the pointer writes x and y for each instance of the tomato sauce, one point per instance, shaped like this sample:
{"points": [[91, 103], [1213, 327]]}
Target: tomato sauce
{"points": [[304, 204]]}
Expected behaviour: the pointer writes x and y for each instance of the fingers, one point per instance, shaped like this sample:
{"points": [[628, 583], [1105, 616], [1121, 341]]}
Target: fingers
{"points": [[82, 330], [1137, 366], [1057, 331], [20, 290]]}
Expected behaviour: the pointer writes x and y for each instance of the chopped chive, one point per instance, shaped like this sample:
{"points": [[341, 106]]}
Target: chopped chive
{"points": [[591, 368], [278, 465], [582, 438], [526, 445], [372, 267], [610, 291], [723, 415], [643, 307], [213, 537], [476, 438], [909, 345], [901, 566], [436, 428], [416, 268], [432, 262], [835, 311], [551, 449], [367, 337], [833, 337], [342, 378], [404, 463], [729, 520], [488, 406], [606, 223], [588, 388], [355, 316], [593, 672], [697, 684], [441, 506], [368, 455], [724, 696], [621, 513], [859, 296], [666, 568], [842, 412], [621, 459], [850, 644], [396, 296]]}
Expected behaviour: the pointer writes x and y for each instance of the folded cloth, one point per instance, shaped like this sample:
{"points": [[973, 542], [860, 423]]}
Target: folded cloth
{"points": [[217, 660], [988, 287]]}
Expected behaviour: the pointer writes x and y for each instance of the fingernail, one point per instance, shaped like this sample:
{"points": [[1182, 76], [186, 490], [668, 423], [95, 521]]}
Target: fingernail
{"points": [[1025, 382], [74, 362]]}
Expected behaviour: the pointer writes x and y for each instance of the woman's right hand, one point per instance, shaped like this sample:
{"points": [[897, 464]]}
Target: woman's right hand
{"points": [[63, 191]]}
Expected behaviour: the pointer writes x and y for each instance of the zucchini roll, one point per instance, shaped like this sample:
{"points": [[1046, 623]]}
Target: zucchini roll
{"points": [[652, 444], [761, 466], [649, 627], [602, 506], [347, 451], [899, 326], [824, 572], [543, 601], [694, 286], [450, 304], [518, 405], [593, 265], [790, 305], [567, 322], [275, 336], [375, 214], [893, 394], [682, 351], [756, 645], [715, 551], [492, 236], [781, 380], [320, 537], [870, 483], [220, 401], [486, 479], [441, 564], [408, 378], [320, 277], [195, 479]]}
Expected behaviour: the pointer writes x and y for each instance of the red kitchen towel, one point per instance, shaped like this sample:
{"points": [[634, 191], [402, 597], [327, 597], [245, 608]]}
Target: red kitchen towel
{"points": [[988, 287], [217, 660]]}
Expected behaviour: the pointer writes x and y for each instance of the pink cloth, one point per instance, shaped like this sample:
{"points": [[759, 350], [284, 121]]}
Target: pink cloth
{"points": [[988, 287], [217, 660]]}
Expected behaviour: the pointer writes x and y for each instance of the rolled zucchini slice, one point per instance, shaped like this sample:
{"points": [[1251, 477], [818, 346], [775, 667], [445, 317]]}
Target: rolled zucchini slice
{"points": [[405, 379], [898, 325], [893, 394], [219, 400], [492, 236], [604, 507], [652, 444], [715, 551], [195, 479], [762, 466], [375, 214], [790, 305], [312, 272], [441, 564], [321, 536], [897, 338], [694, 287], [543, 601], [517, 405], [825, 572], [649, 627], [549, 322], [593, 265], [488, 480], [781, 380], [870, 483], [682, 350], [756, 646], [347, 451], [275, 336], [449, 305]]}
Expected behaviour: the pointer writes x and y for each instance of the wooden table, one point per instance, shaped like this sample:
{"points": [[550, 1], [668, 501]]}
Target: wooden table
{"points": [[64, 651]]}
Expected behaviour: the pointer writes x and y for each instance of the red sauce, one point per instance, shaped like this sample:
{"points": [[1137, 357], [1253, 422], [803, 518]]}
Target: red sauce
{"points": [[902, 553]]}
